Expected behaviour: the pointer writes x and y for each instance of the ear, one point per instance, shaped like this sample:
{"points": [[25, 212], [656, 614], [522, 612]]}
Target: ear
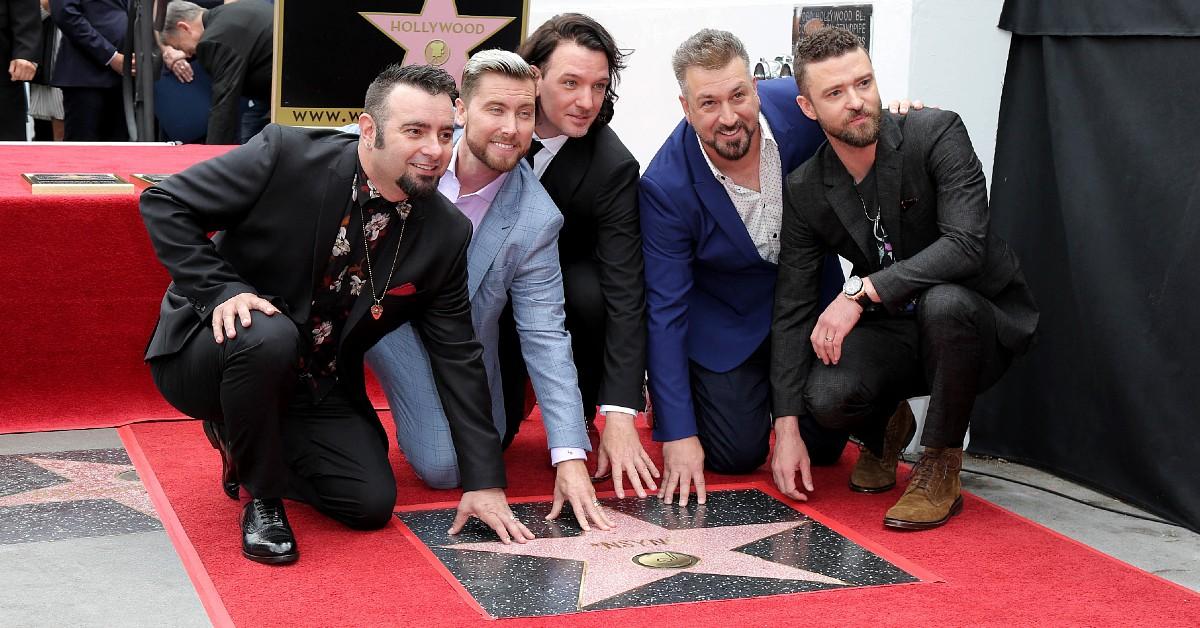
{"points": [[460, 112], [687, 113], [806, 106], [366, 129]]}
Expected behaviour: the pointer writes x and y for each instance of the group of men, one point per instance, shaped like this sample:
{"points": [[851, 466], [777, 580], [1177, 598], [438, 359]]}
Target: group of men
{"points": [[472, 234]]}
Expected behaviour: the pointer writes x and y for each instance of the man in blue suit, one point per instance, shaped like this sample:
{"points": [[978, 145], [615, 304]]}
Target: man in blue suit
{"points": [[711, 205], [89, 68], [514, 250]]}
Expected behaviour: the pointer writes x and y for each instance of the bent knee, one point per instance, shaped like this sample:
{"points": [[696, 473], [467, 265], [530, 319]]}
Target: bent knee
{"points": [[439, 477], [268, 339], [837, 399], [735, 461], [947, 303]]}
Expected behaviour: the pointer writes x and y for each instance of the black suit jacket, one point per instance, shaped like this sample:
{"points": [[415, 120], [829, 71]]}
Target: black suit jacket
{"points": [[277, 202], [92, 30], [235, 49], [20, 33], [593, 180], [933, 199]]}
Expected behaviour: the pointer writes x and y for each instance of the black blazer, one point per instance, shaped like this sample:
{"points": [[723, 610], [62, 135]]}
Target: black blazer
{"points": [[235, 49], [20, 33], [277, 202], [933, 198], [593, 180]]}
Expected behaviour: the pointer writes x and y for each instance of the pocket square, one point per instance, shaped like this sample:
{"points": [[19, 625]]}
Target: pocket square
{"points": [[402, 290], [909, 202]]}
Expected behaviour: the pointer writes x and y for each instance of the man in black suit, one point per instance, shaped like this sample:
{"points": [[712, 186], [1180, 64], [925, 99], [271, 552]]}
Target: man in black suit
{"points": [[937, 304], [326, 242], [233, 42], [592, 178], [20, 48], [89, 68]]}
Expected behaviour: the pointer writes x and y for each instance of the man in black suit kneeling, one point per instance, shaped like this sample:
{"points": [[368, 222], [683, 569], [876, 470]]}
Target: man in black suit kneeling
{"points": [[327, 242], [937, 303]]}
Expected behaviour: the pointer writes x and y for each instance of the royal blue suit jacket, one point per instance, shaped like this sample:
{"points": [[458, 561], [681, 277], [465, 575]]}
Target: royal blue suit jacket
{"points": [[709, 295], [92, 31]]}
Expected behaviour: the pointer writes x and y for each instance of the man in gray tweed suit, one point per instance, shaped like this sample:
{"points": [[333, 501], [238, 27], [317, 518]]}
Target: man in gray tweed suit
{"points": [[514, 250], [937, 303]]}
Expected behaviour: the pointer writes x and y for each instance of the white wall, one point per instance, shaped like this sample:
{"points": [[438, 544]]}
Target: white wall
{"points": [[946, 52]]}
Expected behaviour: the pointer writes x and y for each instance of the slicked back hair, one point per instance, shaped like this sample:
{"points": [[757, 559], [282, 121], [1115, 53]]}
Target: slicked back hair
{"points": [[435, 81], [584, 32], [824, 43], [710, 49], [496, 61]]}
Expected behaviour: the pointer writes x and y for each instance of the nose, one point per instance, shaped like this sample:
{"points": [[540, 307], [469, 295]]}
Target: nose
{"points": [[432, 146], [854, 102], [727, 116], [586, 99]]}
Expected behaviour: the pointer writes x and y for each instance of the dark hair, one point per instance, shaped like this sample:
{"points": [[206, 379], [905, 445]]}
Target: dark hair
{"points": [[583, 31], [824, 43], [432, 79]]}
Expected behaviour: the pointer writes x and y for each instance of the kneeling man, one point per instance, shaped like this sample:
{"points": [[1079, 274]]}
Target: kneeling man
{"points": [[937, 304], [514, 250]]}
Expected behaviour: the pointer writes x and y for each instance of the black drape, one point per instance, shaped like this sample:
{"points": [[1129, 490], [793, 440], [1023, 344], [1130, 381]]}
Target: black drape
{"points": [[1096, 185]]}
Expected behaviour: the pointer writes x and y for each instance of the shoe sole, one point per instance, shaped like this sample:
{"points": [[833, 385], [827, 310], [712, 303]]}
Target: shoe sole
{"points": [[901, 524], [871, 491], [282, 559]]}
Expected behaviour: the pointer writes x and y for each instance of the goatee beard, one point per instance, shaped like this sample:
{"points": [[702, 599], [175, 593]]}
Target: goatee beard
{"points": [[417, 187]]}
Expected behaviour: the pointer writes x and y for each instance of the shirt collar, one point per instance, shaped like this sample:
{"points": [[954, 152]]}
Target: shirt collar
{"points": [[450, 185], [553, 144]]}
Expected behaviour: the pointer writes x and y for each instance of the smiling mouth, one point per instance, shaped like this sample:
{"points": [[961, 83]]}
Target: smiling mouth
{"points": [[504, 146], [424, 167]]}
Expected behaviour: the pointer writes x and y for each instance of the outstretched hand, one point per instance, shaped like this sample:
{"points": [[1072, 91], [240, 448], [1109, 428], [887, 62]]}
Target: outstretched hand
{"points": [[573, 486], [490, 506], [621, 450]]}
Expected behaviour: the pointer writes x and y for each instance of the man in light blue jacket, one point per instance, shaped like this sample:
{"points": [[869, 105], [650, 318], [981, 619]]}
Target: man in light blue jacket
{"points": [[514, 250]]}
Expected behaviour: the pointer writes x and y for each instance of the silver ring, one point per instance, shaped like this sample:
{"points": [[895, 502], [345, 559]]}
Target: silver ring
{"points": [[595, 502], [512, 516], [828, 339]]}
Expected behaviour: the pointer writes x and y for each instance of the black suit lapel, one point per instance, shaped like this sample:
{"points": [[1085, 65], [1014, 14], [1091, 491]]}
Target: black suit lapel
{"points": [[334, 199], [889, 168], [845, 201], [566, 170]]}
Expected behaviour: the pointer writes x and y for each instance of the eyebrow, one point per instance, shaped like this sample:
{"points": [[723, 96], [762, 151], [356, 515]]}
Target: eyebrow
{"points": [[733, 90], [573, 75]]}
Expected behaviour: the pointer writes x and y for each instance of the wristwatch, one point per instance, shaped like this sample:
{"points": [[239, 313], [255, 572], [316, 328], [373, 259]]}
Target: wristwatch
{"points": [[854, 289]]}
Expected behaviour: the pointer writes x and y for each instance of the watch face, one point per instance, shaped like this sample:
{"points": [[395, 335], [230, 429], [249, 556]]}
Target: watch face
{"points": [[853, 286]]}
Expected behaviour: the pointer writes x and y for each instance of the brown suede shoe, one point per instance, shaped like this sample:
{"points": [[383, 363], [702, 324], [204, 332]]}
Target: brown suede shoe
{"points": [[933, 493], [873, 474]]}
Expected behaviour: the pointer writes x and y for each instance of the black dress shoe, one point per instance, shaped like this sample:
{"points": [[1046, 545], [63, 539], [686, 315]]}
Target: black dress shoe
{"points": [[229, 476], [266, 535]]}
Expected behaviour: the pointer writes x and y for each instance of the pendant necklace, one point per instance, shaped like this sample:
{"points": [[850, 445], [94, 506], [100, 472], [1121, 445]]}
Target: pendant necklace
{"points": [[402, 209]]}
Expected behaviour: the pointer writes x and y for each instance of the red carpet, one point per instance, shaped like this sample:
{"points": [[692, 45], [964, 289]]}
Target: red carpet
{"points": [[81, 290], [996, 568]]}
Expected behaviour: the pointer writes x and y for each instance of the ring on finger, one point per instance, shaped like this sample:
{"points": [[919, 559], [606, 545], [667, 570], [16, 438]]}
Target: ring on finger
{"points": [[595, 502]]}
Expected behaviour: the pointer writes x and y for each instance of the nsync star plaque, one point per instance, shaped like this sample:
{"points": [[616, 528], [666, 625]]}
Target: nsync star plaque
{"points": [[742, 543], [327, 53]]}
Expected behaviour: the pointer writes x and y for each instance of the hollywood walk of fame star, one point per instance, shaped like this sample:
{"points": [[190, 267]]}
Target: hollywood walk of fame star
{"points": [[608, 556], [438, 21], [85, 480]]}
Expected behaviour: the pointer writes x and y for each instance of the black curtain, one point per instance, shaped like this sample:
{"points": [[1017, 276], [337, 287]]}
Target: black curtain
{"points": [[1096, 184]]}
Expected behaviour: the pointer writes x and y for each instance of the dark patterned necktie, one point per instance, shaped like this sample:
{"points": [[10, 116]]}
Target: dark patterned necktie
{"points": [[534, 147]]}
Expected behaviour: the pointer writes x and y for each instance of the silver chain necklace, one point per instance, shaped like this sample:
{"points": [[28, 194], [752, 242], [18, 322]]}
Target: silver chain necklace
{"points": [[402, 209]]}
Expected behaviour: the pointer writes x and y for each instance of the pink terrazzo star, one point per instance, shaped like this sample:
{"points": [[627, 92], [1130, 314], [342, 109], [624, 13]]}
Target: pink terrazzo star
{"points": [[86, 480], [437, 35], [609, 568]]}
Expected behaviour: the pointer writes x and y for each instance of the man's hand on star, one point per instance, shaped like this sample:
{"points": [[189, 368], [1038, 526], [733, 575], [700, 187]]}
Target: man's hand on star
{"points": [[790, 455], [621, 449], [573, 485], [490, 506], [683, 465]]}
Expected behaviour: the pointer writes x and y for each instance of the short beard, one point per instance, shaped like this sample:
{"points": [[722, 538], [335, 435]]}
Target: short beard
{"points": [[732, 150], [418, 187], [864, 135], [480, 151]]}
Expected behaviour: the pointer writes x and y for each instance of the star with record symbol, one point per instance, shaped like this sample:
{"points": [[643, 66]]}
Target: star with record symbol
{"points": [[438, 34], [85, 481], [636, 553]]}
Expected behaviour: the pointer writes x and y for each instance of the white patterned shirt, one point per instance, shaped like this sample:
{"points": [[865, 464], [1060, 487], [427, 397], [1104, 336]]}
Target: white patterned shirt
{"points": [[761, 210]]}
